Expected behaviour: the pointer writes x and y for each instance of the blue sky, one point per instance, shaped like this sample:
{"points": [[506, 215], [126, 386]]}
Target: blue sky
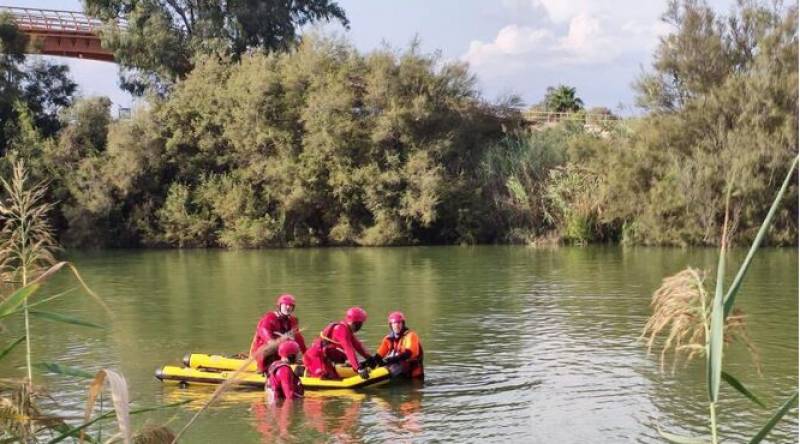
{"points": [[513, 46]]}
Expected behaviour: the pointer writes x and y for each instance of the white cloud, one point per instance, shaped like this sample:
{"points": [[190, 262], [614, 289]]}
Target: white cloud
{"points": [[597, 46], [578, 33], [585, 41], [586, 37]]}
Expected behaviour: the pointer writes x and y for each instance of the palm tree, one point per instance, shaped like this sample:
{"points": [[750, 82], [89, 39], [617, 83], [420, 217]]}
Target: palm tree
{"points": [[562, 99]]}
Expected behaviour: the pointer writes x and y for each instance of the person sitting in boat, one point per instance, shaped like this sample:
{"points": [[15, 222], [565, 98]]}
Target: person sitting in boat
{"points": [[278, 325], [337, 343], [400, 350], [281, 378]]}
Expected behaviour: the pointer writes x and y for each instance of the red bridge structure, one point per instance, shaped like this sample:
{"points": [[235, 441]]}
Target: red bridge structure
{"points": [[61, 33]]}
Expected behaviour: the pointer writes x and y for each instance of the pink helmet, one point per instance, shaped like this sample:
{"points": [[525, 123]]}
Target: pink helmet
{"points": [[356, 314], [396, 316], [286, 299], [288, 348]]}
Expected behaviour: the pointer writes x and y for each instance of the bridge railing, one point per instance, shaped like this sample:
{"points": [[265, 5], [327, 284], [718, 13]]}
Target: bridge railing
{"points": [[52, 20], [553, 116]]}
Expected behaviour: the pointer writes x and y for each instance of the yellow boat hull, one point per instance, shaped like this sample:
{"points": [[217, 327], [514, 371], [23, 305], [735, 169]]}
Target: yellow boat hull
{"points": [[218, 363], [203, 361], [186, 375]]}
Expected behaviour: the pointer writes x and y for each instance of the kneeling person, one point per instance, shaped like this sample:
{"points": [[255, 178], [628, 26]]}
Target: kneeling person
{"points": [[337, 343], [282, 380], [400, 350], [275, 326]]}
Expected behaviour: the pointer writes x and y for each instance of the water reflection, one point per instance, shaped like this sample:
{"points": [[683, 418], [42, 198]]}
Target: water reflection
{"points": [[403, 418], [325, 418]]}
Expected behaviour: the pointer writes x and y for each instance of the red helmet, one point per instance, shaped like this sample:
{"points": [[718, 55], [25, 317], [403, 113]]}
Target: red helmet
{"points": [[396, 316], [288, 348], [286, 299], [356, 314]]}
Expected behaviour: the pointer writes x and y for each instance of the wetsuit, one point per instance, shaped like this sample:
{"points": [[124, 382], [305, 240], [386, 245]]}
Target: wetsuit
{"points": [[271, 327], [336, 344], [283, 382]]}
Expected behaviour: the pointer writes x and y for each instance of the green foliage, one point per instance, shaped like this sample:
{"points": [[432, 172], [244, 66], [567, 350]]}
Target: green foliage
{"points": [[776, 417], [722, 98], [8, 348], [562, 99], [736, 384], [47, 89], [322, 146], [545, 184], [30, 96], [514, 172], [160, 41], [181, 223], [573, 196]]}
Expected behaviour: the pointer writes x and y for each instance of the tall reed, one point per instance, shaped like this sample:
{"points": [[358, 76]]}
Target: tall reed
{"points": [[704, 324], [27, 244]]}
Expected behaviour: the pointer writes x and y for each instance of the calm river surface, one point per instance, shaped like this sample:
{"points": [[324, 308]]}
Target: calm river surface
{"points": [[521, 344]]}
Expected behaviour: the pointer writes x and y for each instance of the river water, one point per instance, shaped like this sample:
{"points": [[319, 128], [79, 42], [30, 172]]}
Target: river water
{"points": [[521, 344]]}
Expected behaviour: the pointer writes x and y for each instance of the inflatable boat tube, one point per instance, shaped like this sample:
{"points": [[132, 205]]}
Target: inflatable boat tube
{"points": [[218, 363], [186, 376]]}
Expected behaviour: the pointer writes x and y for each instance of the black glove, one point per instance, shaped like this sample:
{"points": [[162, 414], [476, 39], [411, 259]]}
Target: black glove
{"points": [[367, 362], [397, 358], [373, 361], [364, 373]]}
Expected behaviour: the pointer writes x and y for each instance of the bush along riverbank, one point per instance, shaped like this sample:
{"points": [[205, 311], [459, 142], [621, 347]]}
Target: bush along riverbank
{"points": [[320, 145]]}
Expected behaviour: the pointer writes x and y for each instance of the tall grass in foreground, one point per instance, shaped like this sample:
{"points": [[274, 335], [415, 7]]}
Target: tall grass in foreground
{"points": [[26, 240], [27, 260], [698, 324]]}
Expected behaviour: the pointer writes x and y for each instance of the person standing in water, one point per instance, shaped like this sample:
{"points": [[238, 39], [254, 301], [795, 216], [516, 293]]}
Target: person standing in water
{"points": [[281, 378]]}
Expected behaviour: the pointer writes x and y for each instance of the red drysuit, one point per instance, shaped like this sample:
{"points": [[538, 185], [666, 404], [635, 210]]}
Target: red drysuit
{"points": [[336, 344], [270, 327], [283, 382]]}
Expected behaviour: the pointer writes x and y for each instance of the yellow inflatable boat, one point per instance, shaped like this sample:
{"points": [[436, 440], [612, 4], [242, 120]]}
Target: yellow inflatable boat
{"points": [[215, 369]]}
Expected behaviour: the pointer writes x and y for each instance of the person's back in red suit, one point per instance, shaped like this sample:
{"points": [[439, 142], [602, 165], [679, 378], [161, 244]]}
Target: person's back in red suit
{"points": [[337, 343], [281, 379]]}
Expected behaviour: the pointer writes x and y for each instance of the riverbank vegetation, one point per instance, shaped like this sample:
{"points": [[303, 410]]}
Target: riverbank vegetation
{"points": [[319, 144]]}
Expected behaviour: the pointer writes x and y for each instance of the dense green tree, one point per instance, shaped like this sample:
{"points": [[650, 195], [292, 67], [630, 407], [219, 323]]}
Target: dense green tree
{"points": [[12, 55], [562, 99], [47, 89], [37, 91], [160, 39], [321, 146], [723, 112]]}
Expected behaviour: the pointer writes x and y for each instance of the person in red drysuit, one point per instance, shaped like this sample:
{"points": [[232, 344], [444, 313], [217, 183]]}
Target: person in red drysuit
{"points": [[337, 343], [281, 379], [279, 325]]}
